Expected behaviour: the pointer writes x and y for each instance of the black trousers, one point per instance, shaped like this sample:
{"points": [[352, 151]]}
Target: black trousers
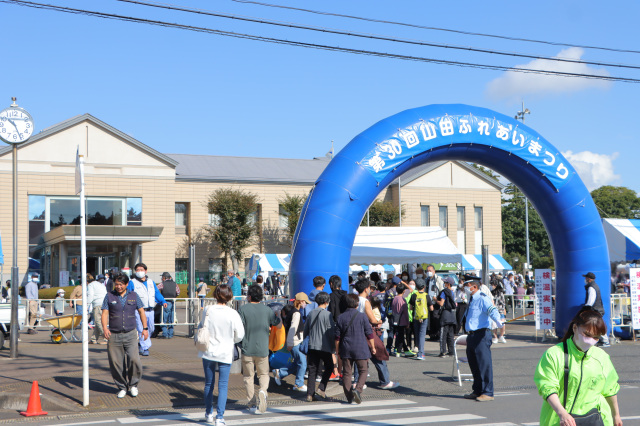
{"points": [[446, 338], [460, 311], [408, 336], [314, 358], [400, 343], [479, 356]]}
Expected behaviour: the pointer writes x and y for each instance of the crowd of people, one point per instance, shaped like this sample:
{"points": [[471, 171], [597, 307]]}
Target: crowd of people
{"points": [[334, 336]]}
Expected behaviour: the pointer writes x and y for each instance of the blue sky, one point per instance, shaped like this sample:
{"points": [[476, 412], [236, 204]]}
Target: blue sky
{"points": [[188, 92]]}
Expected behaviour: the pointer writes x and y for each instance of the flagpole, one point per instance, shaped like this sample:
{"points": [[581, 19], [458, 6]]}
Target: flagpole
{"points": [[83, 262]]}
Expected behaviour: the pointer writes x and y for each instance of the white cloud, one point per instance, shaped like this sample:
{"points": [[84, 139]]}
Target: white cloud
{"points": [[595, 170], [513, 84]]}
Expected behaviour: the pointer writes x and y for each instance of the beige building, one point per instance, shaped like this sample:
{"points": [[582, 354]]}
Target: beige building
{"points": [[146, 206]]}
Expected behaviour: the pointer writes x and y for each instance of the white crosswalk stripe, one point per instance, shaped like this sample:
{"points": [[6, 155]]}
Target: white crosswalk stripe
{"points": [[373, 413]]}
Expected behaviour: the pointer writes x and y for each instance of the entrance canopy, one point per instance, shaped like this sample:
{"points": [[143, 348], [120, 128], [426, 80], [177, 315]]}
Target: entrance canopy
{"points": [[623, 239], [392, 244], [474, 262], [269, 263]]}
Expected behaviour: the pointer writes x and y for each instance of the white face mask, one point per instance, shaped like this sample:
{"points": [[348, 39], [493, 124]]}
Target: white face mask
{"points": [[141, 274], [419, 275], [412, 287], [35, 280], [583, 342], [429, 274]]}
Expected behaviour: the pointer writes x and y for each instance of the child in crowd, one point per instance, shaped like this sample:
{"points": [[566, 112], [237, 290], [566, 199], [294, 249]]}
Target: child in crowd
{"points": [[58, 303]]}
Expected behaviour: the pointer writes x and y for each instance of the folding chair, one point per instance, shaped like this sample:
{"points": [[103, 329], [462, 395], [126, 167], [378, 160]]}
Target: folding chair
{"points": [[462, 341]]}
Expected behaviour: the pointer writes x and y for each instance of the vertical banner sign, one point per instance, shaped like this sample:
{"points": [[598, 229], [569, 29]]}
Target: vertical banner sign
{"points": [[634, 281], [544, 304]]}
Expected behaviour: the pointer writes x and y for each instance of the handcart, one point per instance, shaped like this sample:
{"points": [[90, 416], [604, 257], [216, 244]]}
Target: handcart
{"points": [[62, 325]]}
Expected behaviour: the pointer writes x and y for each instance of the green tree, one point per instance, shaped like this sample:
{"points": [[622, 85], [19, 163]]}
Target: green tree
{"points": [[617, 202], [514, 233], [291, 206], [486, 171], [235, 224], [382, 213]]}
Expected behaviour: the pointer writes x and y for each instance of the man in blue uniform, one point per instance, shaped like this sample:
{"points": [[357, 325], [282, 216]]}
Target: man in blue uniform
{"points": [[119, 314], [478, 329]]}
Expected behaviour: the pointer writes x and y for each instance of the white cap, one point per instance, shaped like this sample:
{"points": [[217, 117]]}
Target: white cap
{"points": [[60, 291]]}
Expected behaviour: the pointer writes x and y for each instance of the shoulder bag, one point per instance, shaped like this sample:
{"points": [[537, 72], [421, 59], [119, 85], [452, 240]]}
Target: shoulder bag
{"points": [[593, 417], [202, 334]]}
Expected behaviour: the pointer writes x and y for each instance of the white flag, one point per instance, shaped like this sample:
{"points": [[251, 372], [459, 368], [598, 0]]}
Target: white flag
{"points": [[79, 177]]}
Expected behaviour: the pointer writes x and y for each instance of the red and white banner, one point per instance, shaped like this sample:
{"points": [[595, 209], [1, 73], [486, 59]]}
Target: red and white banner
{"points": [[544, 303]]}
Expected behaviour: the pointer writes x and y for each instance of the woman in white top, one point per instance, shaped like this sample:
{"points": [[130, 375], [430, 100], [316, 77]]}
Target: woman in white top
{"points": [[225, 330]]}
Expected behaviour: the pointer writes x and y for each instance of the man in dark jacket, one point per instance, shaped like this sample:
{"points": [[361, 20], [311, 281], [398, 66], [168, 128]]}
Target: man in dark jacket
{"points": [[119, 325], [337, 301], [170, 290], [447, 317], [593, 299]]}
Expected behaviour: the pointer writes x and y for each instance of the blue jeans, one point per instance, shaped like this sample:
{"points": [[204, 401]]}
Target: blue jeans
{"points": [[300, 366], [209, 384], [167, 318], [420, 332]]}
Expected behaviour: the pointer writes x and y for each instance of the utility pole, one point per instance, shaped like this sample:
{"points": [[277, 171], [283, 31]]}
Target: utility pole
{"points": [[520, 116]]}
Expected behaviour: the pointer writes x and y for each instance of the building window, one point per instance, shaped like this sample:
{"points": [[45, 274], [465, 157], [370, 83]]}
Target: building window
{"points": [[181, 264], [214, 219], [424, 215], [36, 218], [442, 213], [134, 211], [461, 231], [181, 214], [104, 212], [284, 216], [477, 215]]}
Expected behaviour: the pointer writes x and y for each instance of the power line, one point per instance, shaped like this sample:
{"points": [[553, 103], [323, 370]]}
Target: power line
{"points": [[311, 45], [372, 36], [404, 24]]}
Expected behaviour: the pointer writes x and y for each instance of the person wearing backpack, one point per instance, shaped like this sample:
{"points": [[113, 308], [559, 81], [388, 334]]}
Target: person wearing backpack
{"points": [[420, 304], [388, 301], [447, 318]]}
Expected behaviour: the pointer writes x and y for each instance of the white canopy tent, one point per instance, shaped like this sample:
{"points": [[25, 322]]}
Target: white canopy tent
{"points": [[391, 244], [623, 239]]}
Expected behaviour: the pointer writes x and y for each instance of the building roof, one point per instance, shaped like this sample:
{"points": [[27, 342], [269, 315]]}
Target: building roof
{"points": [[417, 172], [99, 123], [247, 169]]}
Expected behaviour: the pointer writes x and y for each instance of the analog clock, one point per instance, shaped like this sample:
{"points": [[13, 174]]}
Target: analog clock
{"points": [[16, 125]]}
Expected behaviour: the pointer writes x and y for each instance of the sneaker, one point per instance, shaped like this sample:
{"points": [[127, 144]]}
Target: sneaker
{"points": [[443, 356], [353, 386], [484, 398], [409, 353], [302, 388], [502, 340], [419, 358], [334, 378], [276, 377], [356, 397], [254, 410], [397, 354], [133, 391], [321, 393], [470, 396], [390, 385], [145, 353], [208, 418], [221, 422], [32, 331], [494, 340], [311, 398], [122, 393], [262, 401]]}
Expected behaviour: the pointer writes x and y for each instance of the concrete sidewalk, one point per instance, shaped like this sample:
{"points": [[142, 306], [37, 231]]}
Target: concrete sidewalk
{"points": [[173, 377]]}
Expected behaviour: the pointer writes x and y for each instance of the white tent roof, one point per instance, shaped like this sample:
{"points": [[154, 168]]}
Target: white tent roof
{"points": [[623, 239], [391, 244]]}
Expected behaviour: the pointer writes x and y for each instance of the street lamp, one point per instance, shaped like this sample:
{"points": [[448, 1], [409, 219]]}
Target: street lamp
{"points": [[16, 126], [520, 116]]}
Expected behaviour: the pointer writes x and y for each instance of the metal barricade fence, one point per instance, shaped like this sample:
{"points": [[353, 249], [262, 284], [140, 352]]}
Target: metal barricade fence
{"points": [[621, 314], [180, 308]]}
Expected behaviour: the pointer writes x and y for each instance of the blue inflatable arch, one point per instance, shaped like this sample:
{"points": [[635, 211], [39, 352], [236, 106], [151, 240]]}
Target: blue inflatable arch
{"points": [[372, 160]]}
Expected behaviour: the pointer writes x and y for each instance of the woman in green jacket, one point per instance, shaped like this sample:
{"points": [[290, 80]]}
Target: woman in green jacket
{"points": [[593, 381]]}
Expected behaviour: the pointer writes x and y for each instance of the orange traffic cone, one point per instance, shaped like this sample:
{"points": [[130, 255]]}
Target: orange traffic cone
{"points": [[34, 408]]}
